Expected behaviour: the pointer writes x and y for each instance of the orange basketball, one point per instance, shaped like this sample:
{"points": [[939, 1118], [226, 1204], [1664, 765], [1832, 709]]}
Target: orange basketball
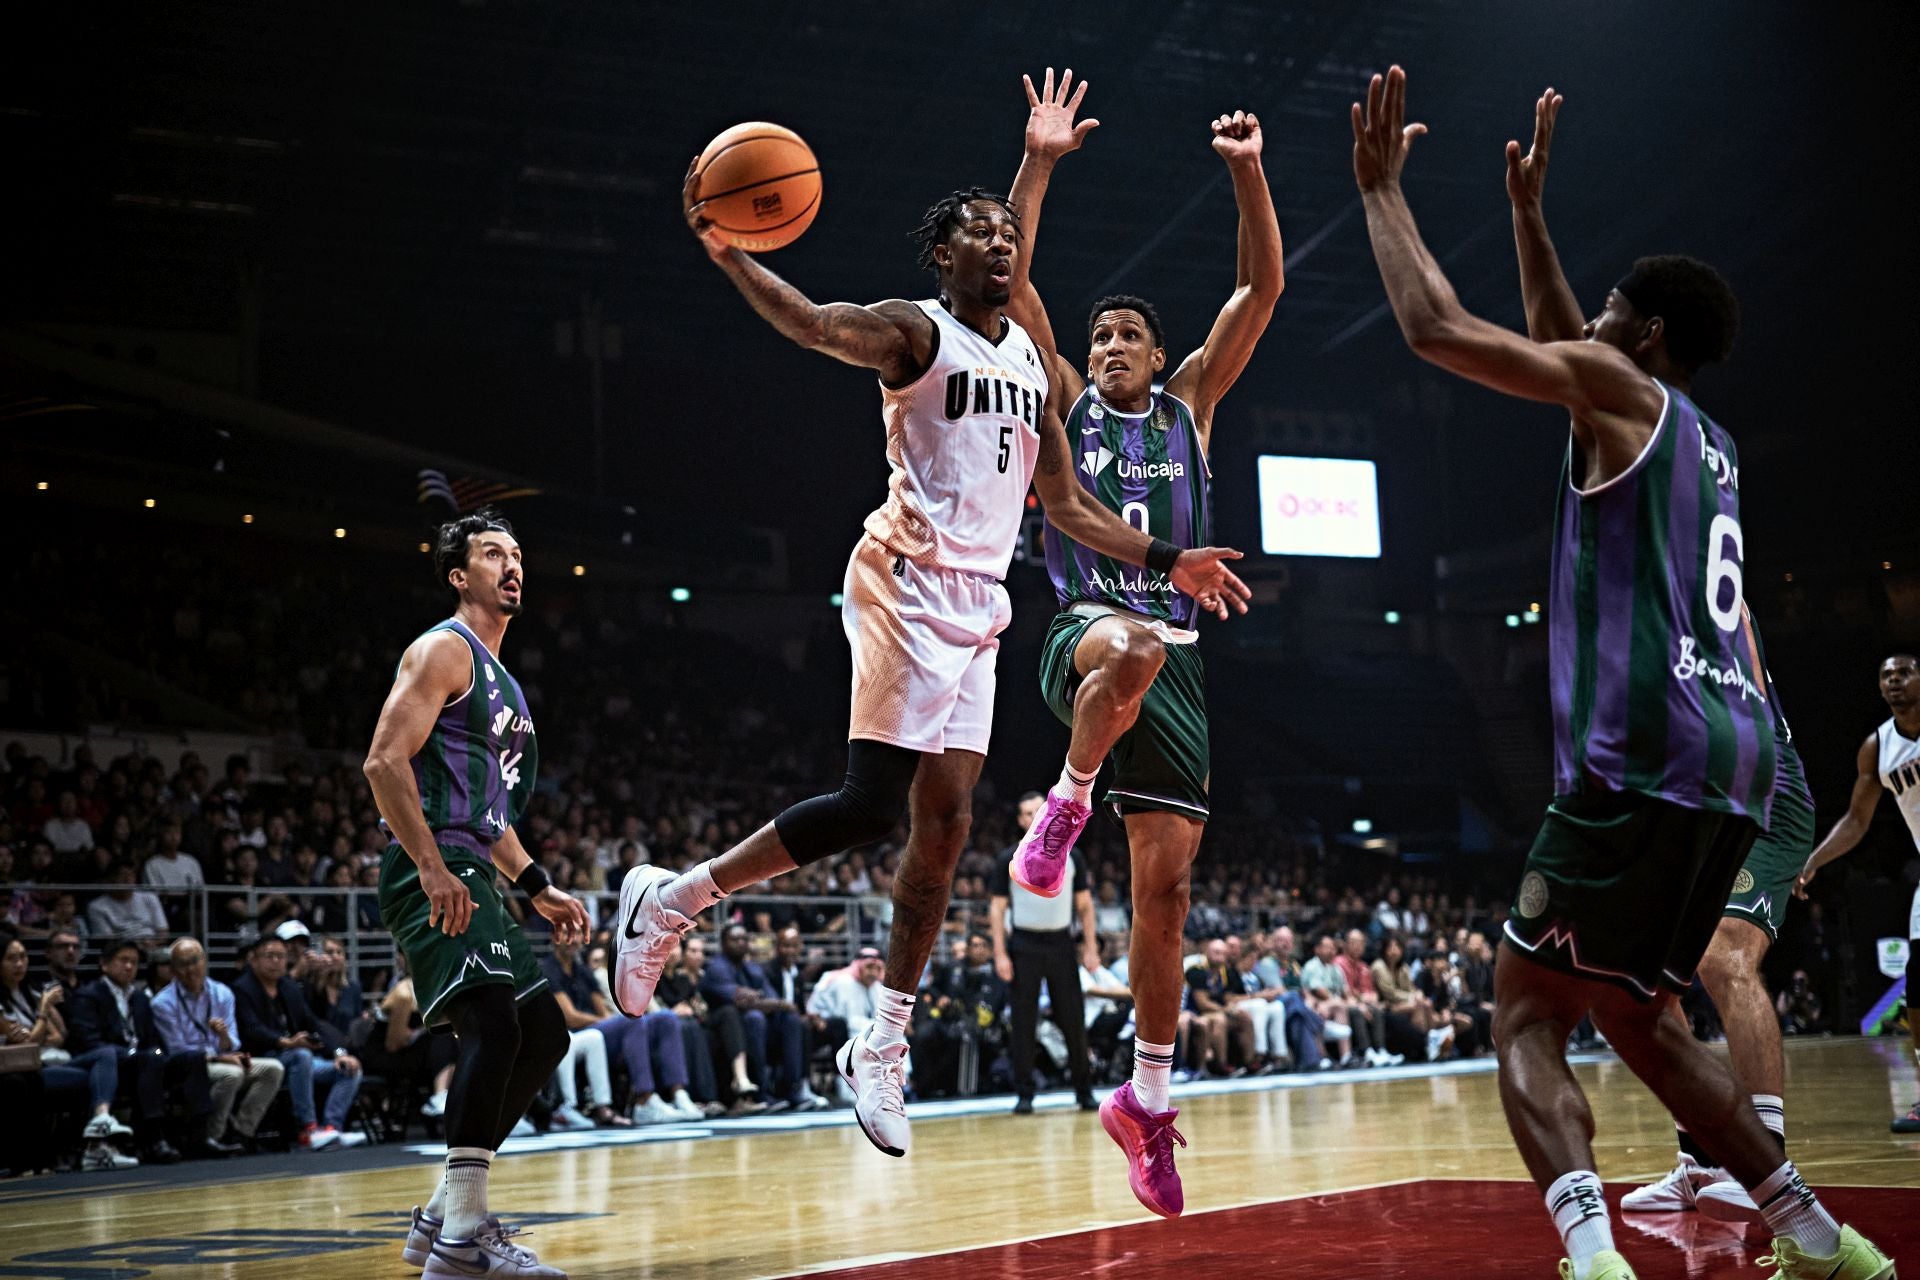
{"points": [[759, 184]]}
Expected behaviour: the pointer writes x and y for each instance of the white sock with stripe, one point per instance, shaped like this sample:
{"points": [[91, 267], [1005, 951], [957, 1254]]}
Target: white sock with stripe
{"points": [[1772, 1110], [1152, 1074], [1579, 1212], [466, 1179], [1789, 1208], [1074, 785]]}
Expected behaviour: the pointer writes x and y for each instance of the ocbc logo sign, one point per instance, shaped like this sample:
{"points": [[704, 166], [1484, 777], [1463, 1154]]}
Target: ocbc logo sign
{"points": [[1294, 506]]}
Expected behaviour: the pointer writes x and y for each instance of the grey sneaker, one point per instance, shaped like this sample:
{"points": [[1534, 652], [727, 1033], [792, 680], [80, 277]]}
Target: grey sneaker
{"points": [[490, 1253], [421, 1233], [100, 1157]]}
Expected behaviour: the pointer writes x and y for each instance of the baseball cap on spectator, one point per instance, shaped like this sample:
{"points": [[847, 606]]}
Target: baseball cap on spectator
{"points": [[868, 953], [289, 930]]}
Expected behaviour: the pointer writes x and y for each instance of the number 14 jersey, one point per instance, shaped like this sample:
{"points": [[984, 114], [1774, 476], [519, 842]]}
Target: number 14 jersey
{"points": [[961, 442], [1657, 683]]}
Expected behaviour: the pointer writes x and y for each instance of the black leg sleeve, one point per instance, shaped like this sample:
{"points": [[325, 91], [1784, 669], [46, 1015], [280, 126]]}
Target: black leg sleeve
{"points": [[543, 1043], [487, 1032]]}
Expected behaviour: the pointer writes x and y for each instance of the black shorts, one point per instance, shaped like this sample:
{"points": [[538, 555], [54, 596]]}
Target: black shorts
{"points": [[1626, 889]]}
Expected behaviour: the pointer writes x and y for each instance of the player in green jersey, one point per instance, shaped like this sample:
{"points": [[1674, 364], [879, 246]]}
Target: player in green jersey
{"points": [[1121, 664], [451, 767], [1664, 751]]}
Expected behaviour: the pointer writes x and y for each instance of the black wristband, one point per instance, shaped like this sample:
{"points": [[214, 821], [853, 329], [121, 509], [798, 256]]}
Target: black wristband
{"points": [[1161, 554], [532, 880]]}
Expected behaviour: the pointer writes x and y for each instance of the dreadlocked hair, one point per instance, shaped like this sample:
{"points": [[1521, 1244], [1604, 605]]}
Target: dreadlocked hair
{"points": [[948, 212]]}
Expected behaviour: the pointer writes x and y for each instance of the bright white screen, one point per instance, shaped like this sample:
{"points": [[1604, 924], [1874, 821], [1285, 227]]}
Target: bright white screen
{"points": [[1318, 507]]}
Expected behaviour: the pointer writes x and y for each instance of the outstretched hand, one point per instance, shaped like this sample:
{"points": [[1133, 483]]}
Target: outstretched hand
{"points": [[1237, 137], [1381, 136], [1051, 131], [711, 237], [1202, 573], [1527, 175]]}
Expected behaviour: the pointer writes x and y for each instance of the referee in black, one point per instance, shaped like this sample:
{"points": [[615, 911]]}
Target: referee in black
{"points": [[1033, 943]]}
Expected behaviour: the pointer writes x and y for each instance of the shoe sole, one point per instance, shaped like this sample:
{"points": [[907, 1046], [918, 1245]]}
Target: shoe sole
{"points": [[846, 1073], [1035, 889], [1110, 1121], [415, 1257], [1722, 1211]]}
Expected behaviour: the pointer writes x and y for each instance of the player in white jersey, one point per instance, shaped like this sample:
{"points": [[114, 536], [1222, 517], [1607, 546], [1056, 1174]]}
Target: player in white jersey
{"points": [[1889, 760], [971, 420]]}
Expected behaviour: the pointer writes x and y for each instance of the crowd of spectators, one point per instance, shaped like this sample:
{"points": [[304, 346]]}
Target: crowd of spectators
{"points": [[1306, 953]]}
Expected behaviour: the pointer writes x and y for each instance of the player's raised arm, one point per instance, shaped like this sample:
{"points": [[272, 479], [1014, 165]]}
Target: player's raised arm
{"points": [[1200, 572], [1051, 133], [1259, 276], [893, 337], [1553, 313], [1853, 824], [434, 669], [1606, 392]]}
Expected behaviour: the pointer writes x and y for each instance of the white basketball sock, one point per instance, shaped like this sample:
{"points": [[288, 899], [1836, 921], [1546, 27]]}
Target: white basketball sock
{"points": [[1772, 1110], [1152, 1072], [1789, 1208], [466, 1180], [892, 1016], [437, 1207], [692, 891], [1075, 786], [1579, 1212]]}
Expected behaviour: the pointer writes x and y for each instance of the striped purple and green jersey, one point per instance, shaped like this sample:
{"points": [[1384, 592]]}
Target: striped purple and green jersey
{"points": [[475, 770], [1657, 683], [1150, 470]]}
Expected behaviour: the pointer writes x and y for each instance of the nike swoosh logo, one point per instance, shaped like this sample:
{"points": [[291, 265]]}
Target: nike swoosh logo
{"points": [[467, 871], [635, 913]]}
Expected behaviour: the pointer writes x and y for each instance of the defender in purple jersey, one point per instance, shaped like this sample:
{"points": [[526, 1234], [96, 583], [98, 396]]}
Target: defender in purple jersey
{"points": [[1121, 664], [1664, 744], [451, 766]]}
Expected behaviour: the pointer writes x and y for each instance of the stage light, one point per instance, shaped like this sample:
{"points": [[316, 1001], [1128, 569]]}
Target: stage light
{"points": [[42, 486], [1393, 617], [679, 595], [836, 599], [339, 533], [247, 518], [1513, 619], [149, 504], [1362, 826], [579, 571]]}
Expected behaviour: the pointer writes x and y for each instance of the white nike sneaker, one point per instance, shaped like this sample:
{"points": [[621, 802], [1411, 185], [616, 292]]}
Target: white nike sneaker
{"points": [[569, 1118], [648, 935], [1675, 1193], [349, 1139], [103, 1127], [879, 1079], [490, 1253], [656, 1111], [100, 1156], [422, 1231], [1726, 1201], [685, 1107]]}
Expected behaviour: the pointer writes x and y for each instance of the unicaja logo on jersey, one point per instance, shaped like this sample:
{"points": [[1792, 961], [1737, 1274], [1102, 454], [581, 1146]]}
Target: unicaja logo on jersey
{"points": [[504, 720], [1094, 461]]}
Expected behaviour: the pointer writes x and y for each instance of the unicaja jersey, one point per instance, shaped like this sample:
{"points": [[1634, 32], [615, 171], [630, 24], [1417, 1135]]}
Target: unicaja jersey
{"points": [[1900, 774], [475, 770], [1657, 687], [961, 442], [1150, 470]]}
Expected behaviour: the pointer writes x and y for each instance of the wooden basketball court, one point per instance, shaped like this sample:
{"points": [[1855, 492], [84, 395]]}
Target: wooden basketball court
{"points": [[1377, 1175]]}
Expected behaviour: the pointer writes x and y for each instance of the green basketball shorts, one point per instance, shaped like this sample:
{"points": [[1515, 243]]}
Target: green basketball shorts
{"points": [[1623, 888], [493, 949], [1162, 763], [1764, 887]]}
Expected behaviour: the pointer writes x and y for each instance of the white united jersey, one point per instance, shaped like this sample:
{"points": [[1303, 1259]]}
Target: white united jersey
{"points": [[1900, 774], [961, 440]]}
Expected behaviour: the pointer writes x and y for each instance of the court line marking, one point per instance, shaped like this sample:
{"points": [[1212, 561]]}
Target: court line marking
{"points": [[882, 1259]]}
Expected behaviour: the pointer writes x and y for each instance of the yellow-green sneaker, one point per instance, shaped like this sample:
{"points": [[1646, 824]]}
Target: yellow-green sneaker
{"points": [[1607, 1265], [1857, 1260]]}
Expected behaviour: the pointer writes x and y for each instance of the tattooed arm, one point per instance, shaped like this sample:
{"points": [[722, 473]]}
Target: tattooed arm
{"points": [[893, 337]]}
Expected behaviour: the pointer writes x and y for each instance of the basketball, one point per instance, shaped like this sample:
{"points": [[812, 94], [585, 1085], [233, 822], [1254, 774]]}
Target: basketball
{"points": [[759, 184]]}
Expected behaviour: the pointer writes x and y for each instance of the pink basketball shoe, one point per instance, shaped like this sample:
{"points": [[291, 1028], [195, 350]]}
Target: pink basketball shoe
{"points": [[1040, 863], [1148, 1140]]}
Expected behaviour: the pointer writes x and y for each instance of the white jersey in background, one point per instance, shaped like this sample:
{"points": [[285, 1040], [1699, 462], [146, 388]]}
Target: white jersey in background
{"points": [[961, 440], [1900, 773]]}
